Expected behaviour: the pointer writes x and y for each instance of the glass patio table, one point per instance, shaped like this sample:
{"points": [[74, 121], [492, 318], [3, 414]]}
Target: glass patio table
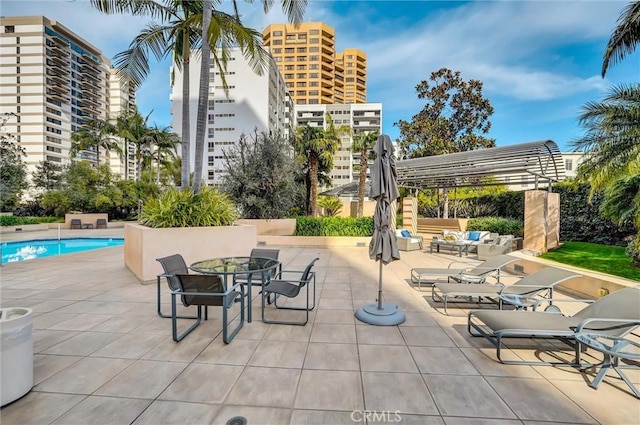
{"points": [[244, 267]]}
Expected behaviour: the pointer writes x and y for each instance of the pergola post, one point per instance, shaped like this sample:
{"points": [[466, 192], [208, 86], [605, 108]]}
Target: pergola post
{"points": [[410, 214], [541, 220]]}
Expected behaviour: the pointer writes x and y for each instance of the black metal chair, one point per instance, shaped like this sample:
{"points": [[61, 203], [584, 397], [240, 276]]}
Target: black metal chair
{"points": [[206, 290], [290, 288], [172, 266], [75, 223], [257, 280], [101, 223]]}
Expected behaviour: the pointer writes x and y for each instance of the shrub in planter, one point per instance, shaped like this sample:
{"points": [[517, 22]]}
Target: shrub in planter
{"points": [[502, 226], [184, 208], [633, 251], [334, 226]]}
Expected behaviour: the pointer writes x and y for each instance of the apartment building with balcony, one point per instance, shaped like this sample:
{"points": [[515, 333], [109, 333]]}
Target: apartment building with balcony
{"points": [[251, 103], [54, 81], [360, 118], [312, 69]]}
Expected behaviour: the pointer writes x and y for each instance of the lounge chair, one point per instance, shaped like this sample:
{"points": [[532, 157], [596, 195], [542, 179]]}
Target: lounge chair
{"points": [[206, 290], [615, 315], [476, 274], [523, 294], [290, 288], [75, 223], [101, 223]]}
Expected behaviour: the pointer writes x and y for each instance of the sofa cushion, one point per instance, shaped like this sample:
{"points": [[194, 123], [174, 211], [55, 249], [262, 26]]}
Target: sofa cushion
{"points": [[474, 236], [405, 233]]}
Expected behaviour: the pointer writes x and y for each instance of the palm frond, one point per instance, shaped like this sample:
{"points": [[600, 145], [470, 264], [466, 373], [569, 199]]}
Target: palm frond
{"points": [[625, 36]]}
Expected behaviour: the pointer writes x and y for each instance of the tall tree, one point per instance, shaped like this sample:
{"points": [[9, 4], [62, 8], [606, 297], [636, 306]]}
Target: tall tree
{"points": [[363, 143], [13, 170], [455, 119], [180, 31], [611, 138], [95, 135], [612, 160], [625, 37], [220, 40], [48, 176], [315, 147], [163, 143], [132, 128]]}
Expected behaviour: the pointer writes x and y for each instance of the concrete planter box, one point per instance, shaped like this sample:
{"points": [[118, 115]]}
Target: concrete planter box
{"points": [[142, 245], [276, 227]]}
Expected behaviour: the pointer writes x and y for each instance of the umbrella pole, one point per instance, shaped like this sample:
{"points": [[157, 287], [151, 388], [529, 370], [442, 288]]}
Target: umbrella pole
{"points": [[380, 287]]}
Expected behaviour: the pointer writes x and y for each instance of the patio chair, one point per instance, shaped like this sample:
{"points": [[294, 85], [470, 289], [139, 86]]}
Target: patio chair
{"points": [[75, 223], [290, 288], [206, 290], [477, 274], [101, 223], [172, 266], [257, 280], [523, 294], [615, 315]]}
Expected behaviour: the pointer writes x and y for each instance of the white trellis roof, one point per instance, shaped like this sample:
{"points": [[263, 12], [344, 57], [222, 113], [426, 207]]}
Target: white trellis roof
{"points": [[531, 163]]}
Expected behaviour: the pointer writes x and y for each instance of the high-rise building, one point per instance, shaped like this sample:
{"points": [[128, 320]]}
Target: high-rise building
{"points": [[360, 118], [122, 97], [314, 72], [252, 103], [54, 81]]}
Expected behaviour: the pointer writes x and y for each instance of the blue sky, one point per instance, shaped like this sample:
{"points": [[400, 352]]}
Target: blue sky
{"points": [[539, 61]]}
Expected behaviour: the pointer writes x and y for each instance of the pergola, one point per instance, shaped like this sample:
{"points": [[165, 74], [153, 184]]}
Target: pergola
{"points": [[525, 163]]}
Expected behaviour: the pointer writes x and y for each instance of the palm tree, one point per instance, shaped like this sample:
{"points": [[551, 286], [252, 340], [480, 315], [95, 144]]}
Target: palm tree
{"points": [[132, 128], [182, 31], [625, 37], [223, 31], [96, 134], [163, 142], [612, 134], [363, 143], [316, 147]]}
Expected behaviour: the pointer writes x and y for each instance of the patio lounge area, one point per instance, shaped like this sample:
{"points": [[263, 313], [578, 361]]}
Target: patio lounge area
{"points": [[103, 356]]}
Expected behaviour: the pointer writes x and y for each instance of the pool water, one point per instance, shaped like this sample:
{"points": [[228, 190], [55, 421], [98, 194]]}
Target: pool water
{"points": [[28, 250]]}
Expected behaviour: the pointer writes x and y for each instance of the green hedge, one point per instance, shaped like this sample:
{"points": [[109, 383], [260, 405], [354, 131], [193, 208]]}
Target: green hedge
{"points": [[12, 220], [334, 226], [580, 218], [502, 226]]}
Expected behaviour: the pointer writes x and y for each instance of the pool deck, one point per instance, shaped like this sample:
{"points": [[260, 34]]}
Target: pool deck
{"points": [[102, 356]]}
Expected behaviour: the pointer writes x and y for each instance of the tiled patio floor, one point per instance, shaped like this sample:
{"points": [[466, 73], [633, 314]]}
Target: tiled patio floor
{"points": [[102, 356]]}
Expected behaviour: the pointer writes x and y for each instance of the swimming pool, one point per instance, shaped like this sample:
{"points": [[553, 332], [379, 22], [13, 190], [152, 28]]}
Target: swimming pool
{"points": [[28, 250]]}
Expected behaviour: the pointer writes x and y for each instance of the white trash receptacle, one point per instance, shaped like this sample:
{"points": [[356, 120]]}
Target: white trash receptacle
{"points": [[16, 353]]}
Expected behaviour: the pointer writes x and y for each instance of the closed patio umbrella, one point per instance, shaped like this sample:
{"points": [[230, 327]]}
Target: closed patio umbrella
{"points": [[383, 246]]}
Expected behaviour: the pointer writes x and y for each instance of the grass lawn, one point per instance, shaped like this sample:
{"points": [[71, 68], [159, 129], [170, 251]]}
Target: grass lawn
{"points": [[591, 256]]}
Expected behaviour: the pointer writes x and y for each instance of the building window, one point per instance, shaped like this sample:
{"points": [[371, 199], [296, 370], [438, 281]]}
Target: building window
{"points": [[313, 84], [289, 50], [314, 66], [314, 49], [277, 42], [314, 40], [314, 58], [302, 50], [314, 32], [301, 75], [277, 33], [568, 164], [288, 58], [301, 84], [210, 161], [301, 93], [302, 67], [9, 29], [302, 36], [277, 51], [289, 67], [290, 37]]}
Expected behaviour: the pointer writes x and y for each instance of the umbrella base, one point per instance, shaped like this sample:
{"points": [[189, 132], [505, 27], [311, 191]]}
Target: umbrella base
{"points": [[390, 315]]}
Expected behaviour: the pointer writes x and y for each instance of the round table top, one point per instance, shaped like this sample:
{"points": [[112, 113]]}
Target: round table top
{"points": [[234, 265]]}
